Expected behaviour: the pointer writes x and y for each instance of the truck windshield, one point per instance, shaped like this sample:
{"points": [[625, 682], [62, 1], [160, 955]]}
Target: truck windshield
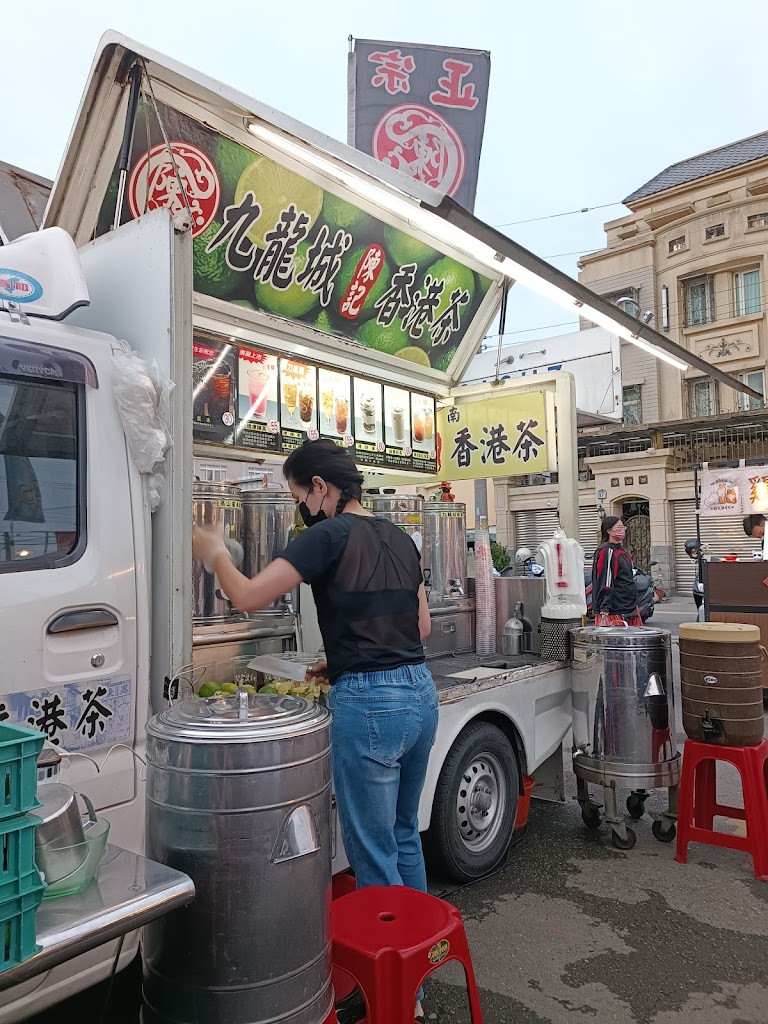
{"points": [[39, 473]]}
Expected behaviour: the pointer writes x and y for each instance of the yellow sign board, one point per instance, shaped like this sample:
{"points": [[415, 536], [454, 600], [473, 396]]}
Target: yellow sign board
{"points": [[493, 437]]}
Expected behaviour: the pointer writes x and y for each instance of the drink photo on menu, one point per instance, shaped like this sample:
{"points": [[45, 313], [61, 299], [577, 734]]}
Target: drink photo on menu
{"points": [[334, 390], [258, 400], [423, 430], [214, 379], [298, 401], [368, 412], [397, 418]]}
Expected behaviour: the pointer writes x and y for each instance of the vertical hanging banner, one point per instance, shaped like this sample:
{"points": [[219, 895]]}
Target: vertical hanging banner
{"points": [[721, 492], [420, 109]]}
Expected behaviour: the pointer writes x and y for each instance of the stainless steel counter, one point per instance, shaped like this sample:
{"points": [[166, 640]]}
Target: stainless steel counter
{"points": [[129, 891], [481, 671]]}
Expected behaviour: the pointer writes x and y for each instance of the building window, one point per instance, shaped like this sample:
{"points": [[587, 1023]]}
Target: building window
{"points": [[699, 300], [757, 220], [632, 405], [754, 379], [714, 231], [212, 474], [746, 292], [702, 397], [677, 244], [259, 473]]}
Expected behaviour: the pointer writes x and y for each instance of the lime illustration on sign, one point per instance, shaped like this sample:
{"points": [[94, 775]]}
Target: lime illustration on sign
{"points": [[494, 437], [267, 238]]}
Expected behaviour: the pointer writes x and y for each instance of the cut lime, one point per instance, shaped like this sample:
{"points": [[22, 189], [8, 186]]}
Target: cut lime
{"points": [[212, 275], [414, 355], [338, 213], [402, 249], [390, 339], [344, 279], [290, 302], [276, 188]]}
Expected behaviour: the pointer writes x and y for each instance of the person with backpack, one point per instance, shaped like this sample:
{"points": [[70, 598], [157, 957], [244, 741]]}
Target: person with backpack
{"points": [[614, 591]]}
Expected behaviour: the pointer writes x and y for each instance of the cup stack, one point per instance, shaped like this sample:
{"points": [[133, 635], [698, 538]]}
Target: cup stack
{"points": [[485, 591]]}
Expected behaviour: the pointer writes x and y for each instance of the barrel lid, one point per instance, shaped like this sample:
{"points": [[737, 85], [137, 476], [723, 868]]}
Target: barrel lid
{"points": [[720, 632], [267, 717], [621, 636]]}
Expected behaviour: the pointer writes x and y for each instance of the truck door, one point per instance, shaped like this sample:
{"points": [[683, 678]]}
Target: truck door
{"points": [[68, 604]]}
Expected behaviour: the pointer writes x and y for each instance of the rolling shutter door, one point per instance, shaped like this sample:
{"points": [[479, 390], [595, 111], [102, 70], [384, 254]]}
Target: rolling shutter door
{"points": [[723, 537], [684, 520], [535, 526], [589, 529]]}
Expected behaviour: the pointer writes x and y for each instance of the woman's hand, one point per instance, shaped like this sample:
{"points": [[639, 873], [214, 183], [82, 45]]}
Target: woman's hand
{"points": [[207, 545], [318, 671]]}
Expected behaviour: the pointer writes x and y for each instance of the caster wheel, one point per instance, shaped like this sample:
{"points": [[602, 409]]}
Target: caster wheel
{"points": [[663, 837], [624, 844], [591, 817], [636, 806]]}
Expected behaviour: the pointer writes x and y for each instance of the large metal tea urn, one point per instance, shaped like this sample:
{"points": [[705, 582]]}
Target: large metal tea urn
{"points": [[268, 518], [217, 506], [405, 511], [239, 798], [623, 724], [444, 563], [444, 556]]}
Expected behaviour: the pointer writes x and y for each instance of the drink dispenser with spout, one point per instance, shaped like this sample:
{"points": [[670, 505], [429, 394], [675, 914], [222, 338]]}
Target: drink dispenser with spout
{"points": [[565, 601]]}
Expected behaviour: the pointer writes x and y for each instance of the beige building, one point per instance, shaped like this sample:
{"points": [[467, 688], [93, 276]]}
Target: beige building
{"points": [[691, 252]]}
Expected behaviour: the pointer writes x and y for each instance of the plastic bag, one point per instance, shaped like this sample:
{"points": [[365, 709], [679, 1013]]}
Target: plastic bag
{"points": [[143, 399]]}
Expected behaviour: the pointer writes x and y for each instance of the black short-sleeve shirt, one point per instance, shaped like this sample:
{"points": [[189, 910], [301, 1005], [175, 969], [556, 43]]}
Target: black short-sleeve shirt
{"points": [[365, 575]]}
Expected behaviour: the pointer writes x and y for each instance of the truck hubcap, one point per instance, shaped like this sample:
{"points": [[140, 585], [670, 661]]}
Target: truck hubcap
{"points": [[480, 802]]}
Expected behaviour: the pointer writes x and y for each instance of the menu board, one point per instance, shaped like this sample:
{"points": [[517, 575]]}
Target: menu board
{"points": [[397, 427], [369, 421], [298, 404], [423, 432], [259, 415], [259, 400], [214, 377], [335, 391]]}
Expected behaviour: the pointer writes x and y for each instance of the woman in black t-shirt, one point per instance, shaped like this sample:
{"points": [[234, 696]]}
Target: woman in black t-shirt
{"points": [[372, 611]]}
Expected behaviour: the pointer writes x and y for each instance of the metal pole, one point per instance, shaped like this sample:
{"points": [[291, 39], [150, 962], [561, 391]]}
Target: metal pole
{"points": [[567, 454]]}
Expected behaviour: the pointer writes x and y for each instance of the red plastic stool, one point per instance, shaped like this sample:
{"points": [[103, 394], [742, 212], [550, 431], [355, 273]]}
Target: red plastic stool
{"points": [[343, 983], [698, 801], [389, 939]]}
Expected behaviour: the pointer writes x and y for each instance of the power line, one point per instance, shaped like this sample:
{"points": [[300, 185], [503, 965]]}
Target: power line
{"points": [[552, 216]]}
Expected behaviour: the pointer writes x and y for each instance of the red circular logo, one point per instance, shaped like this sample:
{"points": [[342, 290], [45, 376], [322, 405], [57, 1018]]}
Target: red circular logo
{"points": [[422, 144], [154, 183]]}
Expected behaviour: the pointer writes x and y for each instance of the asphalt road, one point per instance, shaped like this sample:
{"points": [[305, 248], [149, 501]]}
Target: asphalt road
{"points": [[573, 931]]}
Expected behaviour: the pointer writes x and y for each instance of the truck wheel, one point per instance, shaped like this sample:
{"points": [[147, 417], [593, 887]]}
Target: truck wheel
{"points": [[473, 814]]}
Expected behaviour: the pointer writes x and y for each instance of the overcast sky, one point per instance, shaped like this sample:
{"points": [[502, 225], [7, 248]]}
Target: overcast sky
{"points": [[588, 98]]}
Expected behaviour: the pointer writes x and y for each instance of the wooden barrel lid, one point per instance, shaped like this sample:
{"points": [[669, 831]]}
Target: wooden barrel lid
{"points": [[719, 632]]}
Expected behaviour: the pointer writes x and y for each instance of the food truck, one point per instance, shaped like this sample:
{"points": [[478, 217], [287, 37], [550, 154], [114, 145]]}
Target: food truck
{"points": [[214, 278]]}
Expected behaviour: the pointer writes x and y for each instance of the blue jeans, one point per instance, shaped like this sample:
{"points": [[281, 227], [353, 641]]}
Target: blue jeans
{"points": [[384, 725]]}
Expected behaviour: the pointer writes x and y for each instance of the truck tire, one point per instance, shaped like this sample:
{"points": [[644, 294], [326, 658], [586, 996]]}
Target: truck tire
{"points": [[473, 813]]}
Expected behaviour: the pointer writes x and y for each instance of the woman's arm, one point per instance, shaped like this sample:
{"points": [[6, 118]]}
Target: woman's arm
{"points": [[251, 595], [602, 580], [425, 622]]}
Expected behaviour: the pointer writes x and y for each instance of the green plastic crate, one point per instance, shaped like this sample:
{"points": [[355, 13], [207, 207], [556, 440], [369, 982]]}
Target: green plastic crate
{"points": [[18, 871], [18, 928], [19, 751]]}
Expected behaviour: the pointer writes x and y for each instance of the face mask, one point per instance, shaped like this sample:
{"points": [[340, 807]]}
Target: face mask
{"points": [[306, 515], [620, 533]]}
